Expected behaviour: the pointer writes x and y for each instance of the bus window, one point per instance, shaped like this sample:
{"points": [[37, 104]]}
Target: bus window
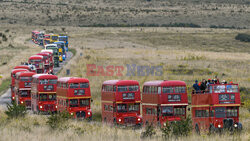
{"points": [[159, 90], [232, 88], [121, 108], [114, 89], [232, 112], [133, 88], [122, 88], [73, 103], [44, 81], [167, 111], [74, 85], [43, 97], [52, 81], [84, 102], [180, 90], [220, 112], [24, 93], [133, 107], [84, 85], [26, 78], [167, 90], [179, 111], [48, 87], [219, 88]]}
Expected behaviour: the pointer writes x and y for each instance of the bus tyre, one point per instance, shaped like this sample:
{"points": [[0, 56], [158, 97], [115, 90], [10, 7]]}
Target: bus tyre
{"points": [[105, 120], [89, 119], [197, 130]]}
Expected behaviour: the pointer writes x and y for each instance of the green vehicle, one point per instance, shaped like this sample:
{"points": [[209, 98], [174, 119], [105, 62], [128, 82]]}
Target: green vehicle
{"points": [[55, 53]]}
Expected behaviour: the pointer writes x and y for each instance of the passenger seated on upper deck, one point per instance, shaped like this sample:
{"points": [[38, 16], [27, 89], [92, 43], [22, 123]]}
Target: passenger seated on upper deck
{"points": [[203, 85], [224, 82], [196, 86]]}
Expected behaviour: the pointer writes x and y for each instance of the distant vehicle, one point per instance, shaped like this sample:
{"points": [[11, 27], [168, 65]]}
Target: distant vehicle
{"points": [[74, 96], [55, 53], [43, 93], [54, 38], [13, 77], [51, 58], [164, 101], [121, 101], [46, 60], [61, 50], [40, 37], [29, 67], [46, 39], [37, 61], [65, 40], [23, 88], [216, 109]]}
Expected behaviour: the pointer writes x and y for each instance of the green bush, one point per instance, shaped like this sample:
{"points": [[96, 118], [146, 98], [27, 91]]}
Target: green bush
{"points": [[15, 111], [58, 121], [149, 131], [243, 37], [177, 129]]}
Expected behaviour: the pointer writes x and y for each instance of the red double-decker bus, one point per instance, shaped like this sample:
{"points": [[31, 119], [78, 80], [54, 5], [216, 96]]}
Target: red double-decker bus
{"points": [[13, 77], [37, 61], [121, 101], [43, 93], [46, 61], [28, 67], [217, 108], [51, 59], [74, 96], [164, 101], [23, 88]]}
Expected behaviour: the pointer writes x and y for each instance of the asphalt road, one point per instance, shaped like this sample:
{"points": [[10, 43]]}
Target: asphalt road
{"points": [[6, 97]]}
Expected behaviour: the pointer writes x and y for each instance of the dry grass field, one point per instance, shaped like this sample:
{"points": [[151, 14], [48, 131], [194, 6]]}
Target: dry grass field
{"points": [[225, 13], [184, 53]]}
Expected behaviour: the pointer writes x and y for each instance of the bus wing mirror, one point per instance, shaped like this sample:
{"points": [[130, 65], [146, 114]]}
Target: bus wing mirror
{"points": [[189, 109], [91, 100]]}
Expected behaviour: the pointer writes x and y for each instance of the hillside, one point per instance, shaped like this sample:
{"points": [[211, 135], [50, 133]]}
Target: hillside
{"points": [[204, 13]]}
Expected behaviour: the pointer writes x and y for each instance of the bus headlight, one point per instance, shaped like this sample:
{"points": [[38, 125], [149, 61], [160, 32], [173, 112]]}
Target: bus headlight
{"points": [[72, 114], [13, 97], [235, 125], [219, 126], [41, 107], [21, 102], [139, 119], [89, 113], [119, 120], [56, 106], [165, 124]]}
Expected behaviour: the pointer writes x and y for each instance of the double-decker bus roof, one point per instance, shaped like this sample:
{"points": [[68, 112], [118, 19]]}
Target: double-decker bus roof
{"points": [[22, 67], [45, 76], [59, 42], [50, 51], [48, 45], [25, 74], [73, 80], [121, 82], [36, 57], [165, 83], [14, 71], [43, 54]]}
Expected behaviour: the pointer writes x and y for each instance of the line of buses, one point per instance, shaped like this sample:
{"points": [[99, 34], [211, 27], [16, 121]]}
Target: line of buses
{"points": [[55, 42], [122, 101]]}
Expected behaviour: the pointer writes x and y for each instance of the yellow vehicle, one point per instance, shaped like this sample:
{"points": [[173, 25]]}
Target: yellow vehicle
{"points": [[54, 38], [60, 54]]}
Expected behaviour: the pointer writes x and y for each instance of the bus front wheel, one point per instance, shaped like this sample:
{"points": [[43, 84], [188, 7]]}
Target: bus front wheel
{"points": [[197, 130]]}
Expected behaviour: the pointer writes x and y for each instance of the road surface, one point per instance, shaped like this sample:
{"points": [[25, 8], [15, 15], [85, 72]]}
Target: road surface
{"points": [[6, 97]]}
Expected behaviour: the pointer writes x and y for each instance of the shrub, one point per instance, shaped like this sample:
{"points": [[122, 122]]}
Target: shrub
{"points": [[179, 128], [243, 37], [57, 121], [15, 111], [149, 131]]}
